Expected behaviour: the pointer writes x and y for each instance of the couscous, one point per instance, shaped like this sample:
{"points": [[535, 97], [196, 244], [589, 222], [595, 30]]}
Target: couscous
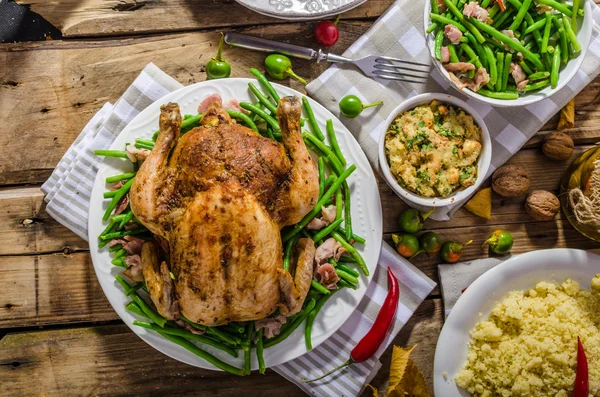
{"points": [[528, 345], [432, 150]]}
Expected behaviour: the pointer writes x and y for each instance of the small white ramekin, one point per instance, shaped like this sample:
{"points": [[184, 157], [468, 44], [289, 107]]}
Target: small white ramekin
{"points": [[483, 163]]}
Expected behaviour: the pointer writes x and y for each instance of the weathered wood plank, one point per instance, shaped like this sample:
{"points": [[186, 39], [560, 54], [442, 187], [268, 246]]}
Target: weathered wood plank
{"points": [[117, 17], [112, 361], [50, 289]]}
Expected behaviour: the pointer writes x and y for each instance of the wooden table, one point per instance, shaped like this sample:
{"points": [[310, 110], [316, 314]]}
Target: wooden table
{"points": [[59, 336]]}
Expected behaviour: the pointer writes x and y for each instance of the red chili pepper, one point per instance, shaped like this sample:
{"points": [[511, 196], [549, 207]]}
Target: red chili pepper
{"points": [[369, 344], [581, 378]]}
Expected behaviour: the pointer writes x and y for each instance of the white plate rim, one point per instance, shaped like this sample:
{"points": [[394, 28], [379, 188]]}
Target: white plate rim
{"points": [[452, 344], [300, 16], [294, 345]]}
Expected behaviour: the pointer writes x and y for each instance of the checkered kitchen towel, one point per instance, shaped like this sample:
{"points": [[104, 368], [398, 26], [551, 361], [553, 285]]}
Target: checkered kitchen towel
{"points": [[399, 33], [68, 194]]}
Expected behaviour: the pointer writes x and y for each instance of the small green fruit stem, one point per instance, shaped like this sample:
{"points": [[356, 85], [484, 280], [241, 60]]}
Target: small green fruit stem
{"points": [[465, 244], [370, 105], [428, 213], [337, 20], [294, 75], [219, 56], [350, 361], [416, 254]]}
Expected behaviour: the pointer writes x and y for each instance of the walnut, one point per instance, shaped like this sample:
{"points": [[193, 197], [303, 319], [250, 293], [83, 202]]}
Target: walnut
{"points": [[558, 146], [542, 205], [510, 181]]}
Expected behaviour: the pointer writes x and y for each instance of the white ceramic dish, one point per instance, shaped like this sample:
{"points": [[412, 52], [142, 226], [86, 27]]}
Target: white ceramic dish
{"points": [[584, 34], [300, 10], [518, 273], [482, 164], [366, 216]]}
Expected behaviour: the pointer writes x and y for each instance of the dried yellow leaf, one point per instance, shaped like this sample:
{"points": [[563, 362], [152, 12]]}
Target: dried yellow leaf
{"points": [[405, 377], [375, 391], [567, 116], [481, 203]]}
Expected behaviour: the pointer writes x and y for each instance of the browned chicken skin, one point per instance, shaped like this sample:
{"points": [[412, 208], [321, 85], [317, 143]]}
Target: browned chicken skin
{"points": [[219, 196]]}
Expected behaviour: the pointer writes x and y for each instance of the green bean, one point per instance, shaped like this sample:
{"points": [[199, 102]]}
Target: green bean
{"points": [[120, 177], [119, 262], [347, 259], [115, 248], [259, 351], [188, 335], [288, 254], [347, 212], [339, 204], [538, 76], [498, 95], [576, 5], [453, 55], [562, 39], [557, 6], [434, 6], [108, 228], [110, 193], [145, 141], [344, 284], [356, 238], [447, 21], [263, 99], [150, 313], [111, 153], [330, 179], [471, 55], [342, 274], [244, 117], [352, 251], [341, 266], [520, 15], [537, 86], [270, 133], [186, 125], [547, 28], [509, 42], [506, 69], [321, 168], [439, 39], [526, 67], [143, 146], [492, 64], [555, 68], [234, 327], [126, 219], [134, 289], [298, 319], [326, 231], [319, 287], [311, 119], [265, 83], [462, 19], [270, 120], [571, 34], [109, 236], [479, 50], [317, 208], [503, 17], [500, 67], [494, 10], [310, 319], [485, 3], [247, 347], [331, 156], [535, 26], [432, 27], [134, 308], [334, 143], [204, 354], [120, 253], [214, 331], [123, 190]]}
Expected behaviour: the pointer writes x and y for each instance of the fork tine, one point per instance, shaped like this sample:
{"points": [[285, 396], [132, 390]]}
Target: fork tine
{"points": [[394, 68], [398, 77], [390, 59]]}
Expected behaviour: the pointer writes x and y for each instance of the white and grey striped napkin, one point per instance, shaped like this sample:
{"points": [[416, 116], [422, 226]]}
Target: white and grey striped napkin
{"points": [[399, 33], [68, 193]]}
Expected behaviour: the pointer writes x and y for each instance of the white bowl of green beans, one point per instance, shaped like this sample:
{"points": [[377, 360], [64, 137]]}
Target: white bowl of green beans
{"points": [[550, 44]]}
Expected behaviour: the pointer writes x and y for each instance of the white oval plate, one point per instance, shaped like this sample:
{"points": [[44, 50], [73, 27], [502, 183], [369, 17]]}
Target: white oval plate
{"points": [[303, 10], [366, 222], [519, 273], [584, 35]]}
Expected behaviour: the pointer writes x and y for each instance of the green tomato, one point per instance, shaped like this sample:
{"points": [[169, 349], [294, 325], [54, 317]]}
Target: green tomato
{"points": [[279, 67], [430, 243], [407, 244], [351, 106], [217, 68], [500, 242], [452, 251], [411, 220]]}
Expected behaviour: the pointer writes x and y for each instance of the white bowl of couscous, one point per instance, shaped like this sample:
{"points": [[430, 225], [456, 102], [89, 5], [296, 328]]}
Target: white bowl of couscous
{"points": [[434, 150]]}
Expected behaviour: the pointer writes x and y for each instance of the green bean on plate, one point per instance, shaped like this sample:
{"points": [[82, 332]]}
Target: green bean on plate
{"points": [[147, 226], [509, 47]]}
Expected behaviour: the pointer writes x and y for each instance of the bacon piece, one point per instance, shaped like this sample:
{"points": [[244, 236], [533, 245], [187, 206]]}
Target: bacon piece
{"points": [[327, 276], [476, 11], [521, 86], [123, 203], [453, 33], [234, 104], [480, 79], [316, 224], [271, 325], [459, 66], [133, 245], [203, 107], [328, 213], [135, 154], [331, 248], [517, 72], [441, 5], [445, 54], [117, 185], [134, 268], [459, 83], [501, 4]]}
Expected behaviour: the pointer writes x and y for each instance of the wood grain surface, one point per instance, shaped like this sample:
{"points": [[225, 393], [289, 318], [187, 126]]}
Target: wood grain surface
{"points": [[59, 336]]}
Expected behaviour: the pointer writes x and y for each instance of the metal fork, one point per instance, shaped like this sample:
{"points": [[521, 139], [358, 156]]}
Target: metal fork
{"points": [[374, 66]]}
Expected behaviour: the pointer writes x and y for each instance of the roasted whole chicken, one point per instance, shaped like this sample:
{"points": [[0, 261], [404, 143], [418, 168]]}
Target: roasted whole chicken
{"points": [[217, 198]]}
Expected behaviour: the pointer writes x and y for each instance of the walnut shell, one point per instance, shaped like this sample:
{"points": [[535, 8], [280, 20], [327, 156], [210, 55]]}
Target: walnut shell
{"points": [[542, 205], [510, 181], [558, 146]]}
